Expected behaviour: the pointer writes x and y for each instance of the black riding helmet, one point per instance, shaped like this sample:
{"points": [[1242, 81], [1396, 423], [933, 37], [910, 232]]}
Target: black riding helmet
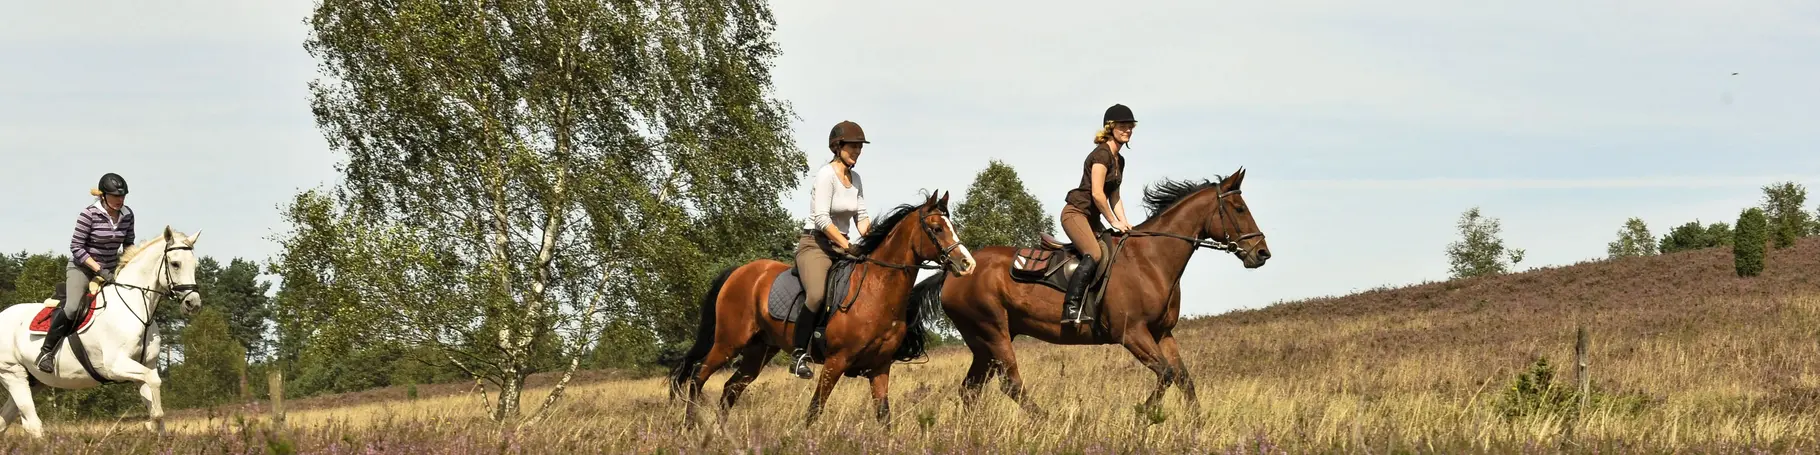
{"points": [[112, 183], [1119, 113]]}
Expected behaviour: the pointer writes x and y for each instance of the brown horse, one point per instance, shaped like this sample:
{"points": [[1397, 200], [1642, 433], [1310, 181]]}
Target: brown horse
{"points": [[1142, 289], [866, 331]]}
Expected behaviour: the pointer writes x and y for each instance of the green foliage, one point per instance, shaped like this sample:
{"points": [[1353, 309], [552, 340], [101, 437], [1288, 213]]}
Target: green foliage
{"points": [[35, 277], [1538, 391], [1634, 239], [241, 297], [96, 403], [1480, 251], [1534, 392], [625, 343], [1784, 207], [1748, 247], [998, 210], [213, 363], [1694, 236], [504, 187], [9, 272]]}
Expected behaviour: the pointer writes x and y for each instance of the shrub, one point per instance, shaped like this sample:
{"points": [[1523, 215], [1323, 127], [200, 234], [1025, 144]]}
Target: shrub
{"points": [[1748, 242]]}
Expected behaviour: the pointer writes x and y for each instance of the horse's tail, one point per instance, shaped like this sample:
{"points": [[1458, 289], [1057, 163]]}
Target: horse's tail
{"points": [[925, 297], [704, 334]]}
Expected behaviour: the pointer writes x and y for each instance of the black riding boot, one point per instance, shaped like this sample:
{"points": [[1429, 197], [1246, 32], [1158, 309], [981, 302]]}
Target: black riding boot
{"points": [[1077, 288], [805, 327], [53, 338]]}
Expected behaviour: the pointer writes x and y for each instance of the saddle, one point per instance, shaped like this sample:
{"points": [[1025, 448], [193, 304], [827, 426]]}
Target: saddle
{"points": [[41, 325], [787, 301], [1052, 261]]}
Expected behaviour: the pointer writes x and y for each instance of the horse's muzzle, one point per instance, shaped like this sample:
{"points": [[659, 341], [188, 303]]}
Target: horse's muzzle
{"points": [[191, 302], [1255, 259]]}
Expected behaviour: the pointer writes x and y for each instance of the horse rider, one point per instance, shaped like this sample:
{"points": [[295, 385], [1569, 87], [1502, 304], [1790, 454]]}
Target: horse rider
{"points": [[837, 212], [103, 230], [1097, 196]]}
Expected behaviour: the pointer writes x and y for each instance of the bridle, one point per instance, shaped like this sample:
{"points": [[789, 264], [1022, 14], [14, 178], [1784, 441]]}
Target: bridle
{"points": [[941, 259], [1221, 208], [175, 291]]}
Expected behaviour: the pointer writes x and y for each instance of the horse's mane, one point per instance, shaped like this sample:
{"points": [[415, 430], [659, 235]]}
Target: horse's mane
{"points": [[133, 251], [875, 235], [1160, 196]]}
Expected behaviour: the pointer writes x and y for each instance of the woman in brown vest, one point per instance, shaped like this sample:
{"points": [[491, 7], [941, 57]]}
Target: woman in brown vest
{"points": [[1097, 196]]}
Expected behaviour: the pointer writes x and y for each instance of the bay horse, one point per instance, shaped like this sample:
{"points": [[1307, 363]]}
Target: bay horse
{"points": [[120, 339], [1142, 288], [876, 325]]}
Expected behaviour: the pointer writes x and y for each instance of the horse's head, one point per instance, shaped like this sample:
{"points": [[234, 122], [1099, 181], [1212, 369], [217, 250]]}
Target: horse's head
{"points": [[175, 273], [1233, 225], [944, 243]]}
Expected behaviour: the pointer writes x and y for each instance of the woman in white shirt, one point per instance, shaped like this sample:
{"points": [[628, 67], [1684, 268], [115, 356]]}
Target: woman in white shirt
{"points": [[837, 213]]}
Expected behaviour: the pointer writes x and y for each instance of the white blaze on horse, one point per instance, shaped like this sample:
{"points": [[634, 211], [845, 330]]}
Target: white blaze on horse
{"points": [[119, 336]]}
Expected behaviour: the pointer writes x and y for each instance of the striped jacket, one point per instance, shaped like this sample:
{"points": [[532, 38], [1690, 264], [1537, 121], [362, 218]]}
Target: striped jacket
{"points": [[100, 237]]}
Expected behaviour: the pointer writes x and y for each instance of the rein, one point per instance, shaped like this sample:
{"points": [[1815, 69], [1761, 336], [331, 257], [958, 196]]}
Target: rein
{"points": [[176, 292], [941, 259], [1230, 245]]}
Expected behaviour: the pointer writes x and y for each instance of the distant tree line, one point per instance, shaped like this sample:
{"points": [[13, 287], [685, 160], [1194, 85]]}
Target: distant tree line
{"points": [[1779, 220]]}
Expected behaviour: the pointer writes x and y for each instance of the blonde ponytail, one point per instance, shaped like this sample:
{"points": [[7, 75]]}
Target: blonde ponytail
{"points": [[1104, 135], [96, 192]]}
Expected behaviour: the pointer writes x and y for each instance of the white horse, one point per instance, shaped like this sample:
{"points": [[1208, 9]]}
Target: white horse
{"points": [[119, 334]]}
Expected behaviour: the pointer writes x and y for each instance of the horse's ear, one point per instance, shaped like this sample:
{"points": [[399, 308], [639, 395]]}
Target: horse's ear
{"points": [[192, 241], [944, 200], [168, 234], [1237, 178]]}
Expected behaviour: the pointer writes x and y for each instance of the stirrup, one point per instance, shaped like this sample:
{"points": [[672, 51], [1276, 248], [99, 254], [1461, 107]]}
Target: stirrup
{"points": [[801, 367], [47, 361]]}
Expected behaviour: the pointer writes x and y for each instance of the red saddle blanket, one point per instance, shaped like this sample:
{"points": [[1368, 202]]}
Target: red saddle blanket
{"points": [[42, 322]]}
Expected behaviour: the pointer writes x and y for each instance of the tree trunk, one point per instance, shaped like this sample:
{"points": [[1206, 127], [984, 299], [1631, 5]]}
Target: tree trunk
{"points": [[510, 387]]}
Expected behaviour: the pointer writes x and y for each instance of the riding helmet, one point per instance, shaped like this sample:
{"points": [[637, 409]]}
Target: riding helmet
{"points": [[844, 132], [1119, 113], [112, 183]]}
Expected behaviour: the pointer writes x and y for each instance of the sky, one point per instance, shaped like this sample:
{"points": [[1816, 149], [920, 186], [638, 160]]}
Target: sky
{"points": [[1366, 128]]}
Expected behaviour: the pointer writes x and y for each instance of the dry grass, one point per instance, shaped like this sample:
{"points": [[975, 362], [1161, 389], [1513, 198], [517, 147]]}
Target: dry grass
{"points": [[1684, 358]]}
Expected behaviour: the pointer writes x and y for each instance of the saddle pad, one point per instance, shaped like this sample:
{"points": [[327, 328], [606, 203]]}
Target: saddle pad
{"points": [[786, 298], [1033, 260], [42, 322]]}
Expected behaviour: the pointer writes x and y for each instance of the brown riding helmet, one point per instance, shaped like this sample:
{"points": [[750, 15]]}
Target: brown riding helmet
{"points": [[844, 132]]}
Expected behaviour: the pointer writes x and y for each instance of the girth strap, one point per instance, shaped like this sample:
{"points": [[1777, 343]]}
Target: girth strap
{"points": [[81, 354]]}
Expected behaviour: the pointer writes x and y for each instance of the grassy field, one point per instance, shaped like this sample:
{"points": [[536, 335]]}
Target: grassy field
{"points": [[1684, 357]]}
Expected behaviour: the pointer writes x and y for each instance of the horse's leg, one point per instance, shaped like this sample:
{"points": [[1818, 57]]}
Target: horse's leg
{"points": [[1144, 346], [8, 414], [881, 394], [1182, 379], [128, 369], [751, 361], [1012, 383], [977, 374], [716, 359], [832, 369], [21, 393]]}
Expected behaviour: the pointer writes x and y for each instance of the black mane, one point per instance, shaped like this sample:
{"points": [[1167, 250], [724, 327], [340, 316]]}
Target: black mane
{"points": [[875, 235], [1162, 195]]}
